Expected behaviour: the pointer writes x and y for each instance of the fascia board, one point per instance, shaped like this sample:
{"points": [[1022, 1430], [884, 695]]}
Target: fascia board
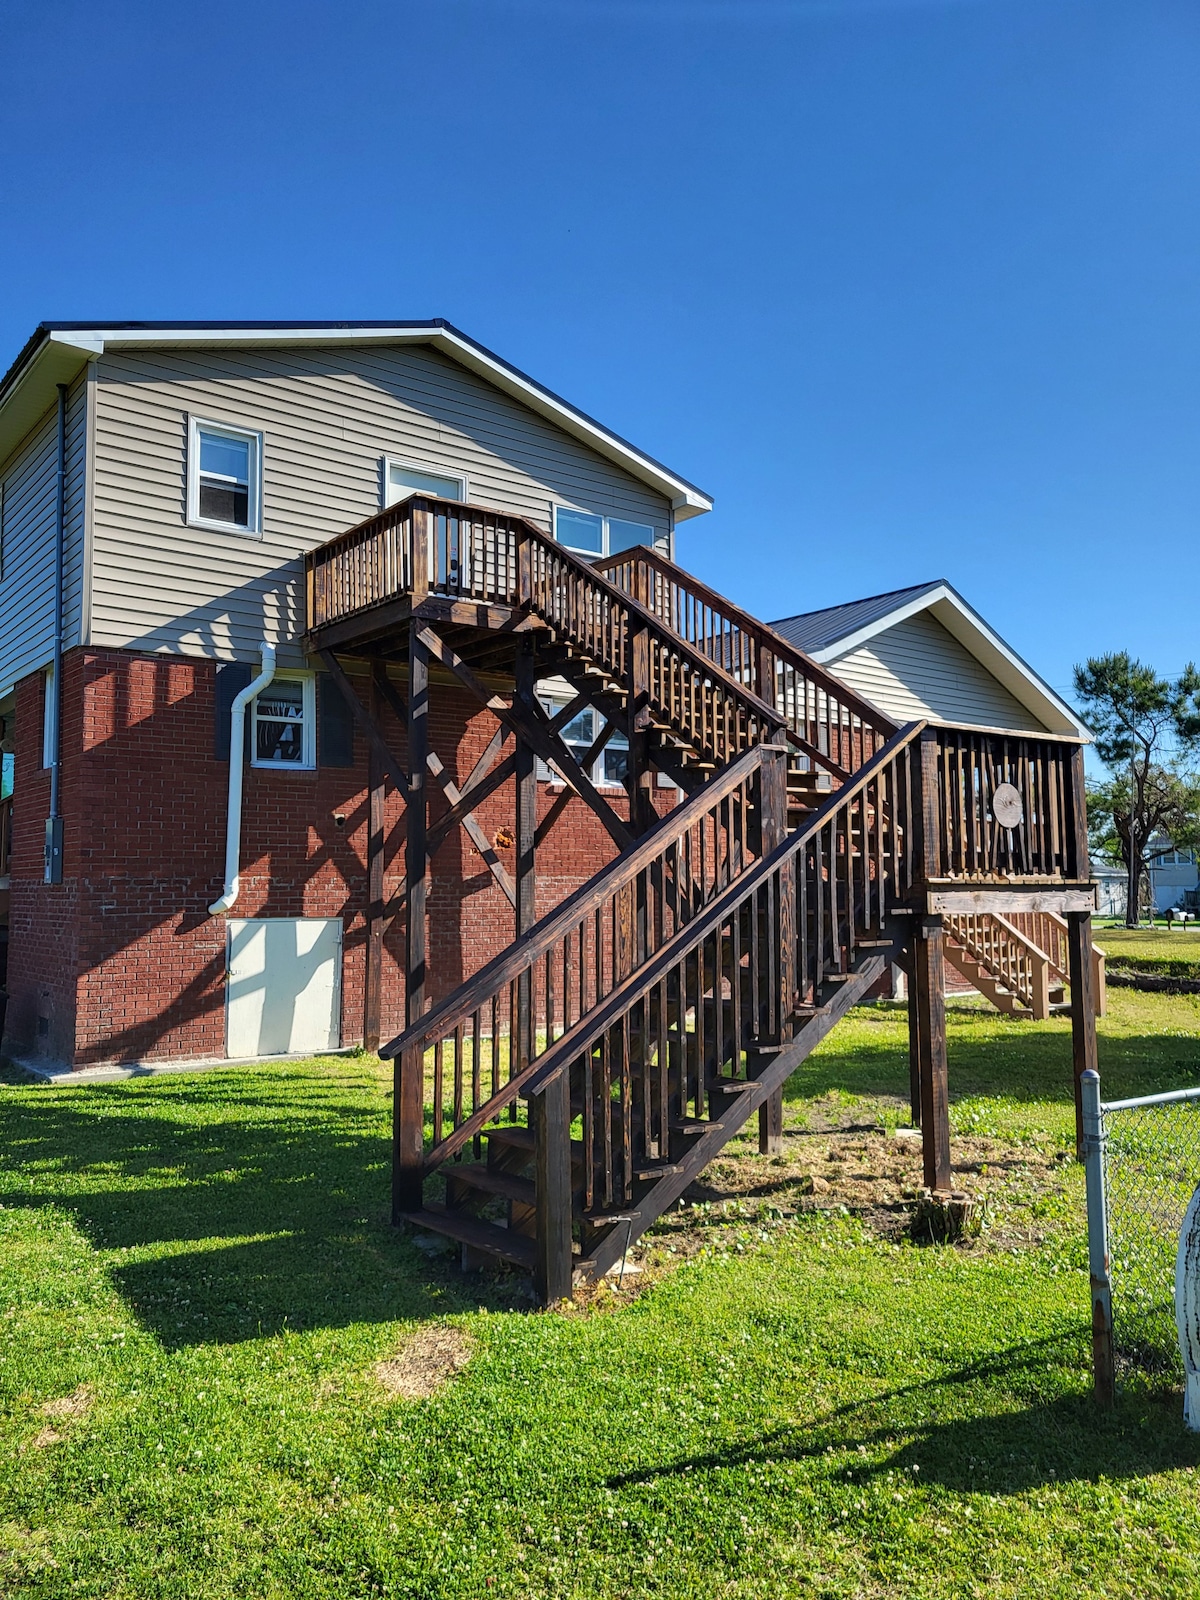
{"points": [[988, 648], [685, 498], [58, 359]]}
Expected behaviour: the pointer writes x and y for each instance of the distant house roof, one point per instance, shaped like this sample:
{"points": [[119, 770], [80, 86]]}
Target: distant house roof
{"points": [[835, 632], [57, 350]]}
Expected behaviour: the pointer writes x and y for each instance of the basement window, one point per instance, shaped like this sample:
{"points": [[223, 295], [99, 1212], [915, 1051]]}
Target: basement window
{"points": [[224, 478], [594, 535], [609, 768], [284, 723]]}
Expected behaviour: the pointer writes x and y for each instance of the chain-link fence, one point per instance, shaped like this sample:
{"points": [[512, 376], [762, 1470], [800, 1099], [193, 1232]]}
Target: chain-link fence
{"points": [[1143, 1167]]}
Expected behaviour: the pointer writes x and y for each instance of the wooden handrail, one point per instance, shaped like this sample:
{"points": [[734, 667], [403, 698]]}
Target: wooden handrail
{"points": [[840, 804], [588, 944], [692, 597]]}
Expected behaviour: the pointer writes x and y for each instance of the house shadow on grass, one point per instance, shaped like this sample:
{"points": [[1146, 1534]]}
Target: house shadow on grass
{"points": [[248, 1206], [1067, 1439]]}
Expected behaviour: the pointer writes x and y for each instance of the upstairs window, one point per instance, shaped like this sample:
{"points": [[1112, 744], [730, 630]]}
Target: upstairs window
{"points": [[284, 733], [401, 479], [594, 535], [224, 478]]}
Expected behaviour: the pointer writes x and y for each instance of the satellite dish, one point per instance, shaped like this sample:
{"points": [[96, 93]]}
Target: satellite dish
{"points": [[1006, 805]]}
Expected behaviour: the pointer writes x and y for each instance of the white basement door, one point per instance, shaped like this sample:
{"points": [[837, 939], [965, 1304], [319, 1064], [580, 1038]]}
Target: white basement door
{"points": [[284, 989]]}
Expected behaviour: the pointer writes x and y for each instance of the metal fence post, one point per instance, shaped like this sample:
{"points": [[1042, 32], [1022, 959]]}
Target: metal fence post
{"points": [[1097, 1216]]}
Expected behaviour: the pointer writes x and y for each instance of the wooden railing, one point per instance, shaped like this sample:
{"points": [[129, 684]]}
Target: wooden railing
{"points": [[1009, 806], [1008, 955], [6, 811], [481, 1043], [820, 711], [666, 1047], [1048, 931]]}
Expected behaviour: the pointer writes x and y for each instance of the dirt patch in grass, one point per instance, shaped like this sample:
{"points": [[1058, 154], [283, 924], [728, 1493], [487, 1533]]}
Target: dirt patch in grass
{"points": [[64, 1410], [429, 1360]]}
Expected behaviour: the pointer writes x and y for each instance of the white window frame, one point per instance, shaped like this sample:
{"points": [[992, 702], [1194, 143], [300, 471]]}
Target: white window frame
{"points": [[308, 743], [552, 705], [427, 470], [605, 520], [250, 436]]}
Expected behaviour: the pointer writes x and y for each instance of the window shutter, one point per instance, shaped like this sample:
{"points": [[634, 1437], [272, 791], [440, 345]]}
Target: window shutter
{"points": [[232, 678], [335, 725]]}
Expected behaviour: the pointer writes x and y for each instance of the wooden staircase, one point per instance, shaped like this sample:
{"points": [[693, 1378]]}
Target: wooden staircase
{"points": [[557, 1102], [1019, 962]]}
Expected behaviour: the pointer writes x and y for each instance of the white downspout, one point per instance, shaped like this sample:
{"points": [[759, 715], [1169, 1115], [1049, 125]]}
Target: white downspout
{"points": [[237, 761]]}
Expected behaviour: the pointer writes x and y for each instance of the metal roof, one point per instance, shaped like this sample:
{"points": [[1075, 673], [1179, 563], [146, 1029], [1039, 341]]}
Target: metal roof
{"points": [[817, 630]]}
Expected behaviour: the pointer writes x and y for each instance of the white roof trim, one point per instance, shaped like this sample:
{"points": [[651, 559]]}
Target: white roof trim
{"points": [[685, 498], [966, 625]]}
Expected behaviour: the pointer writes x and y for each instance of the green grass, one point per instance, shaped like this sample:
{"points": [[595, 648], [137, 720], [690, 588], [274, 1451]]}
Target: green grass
{"points": [[807, 1411], [1168, 952]]}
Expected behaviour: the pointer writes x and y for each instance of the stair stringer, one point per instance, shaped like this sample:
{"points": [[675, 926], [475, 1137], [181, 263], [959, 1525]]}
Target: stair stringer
{"points": [[647, 1209]]}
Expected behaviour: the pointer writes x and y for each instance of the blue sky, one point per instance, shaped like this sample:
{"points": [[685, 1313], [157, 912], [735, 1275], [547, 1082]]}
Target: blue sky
{"points": [[910, 286]]}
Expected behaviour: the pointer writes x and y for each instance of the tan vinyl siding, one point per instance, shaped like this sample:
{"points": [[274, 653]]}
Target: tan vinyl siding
{"points": [[328, 417], [29, 485], [919, 669]]}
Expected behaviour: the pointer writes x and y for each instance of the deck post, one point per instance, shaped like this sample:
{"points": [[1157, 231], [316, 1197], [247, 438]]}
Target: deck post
{"points": [[773, 802], [1082, 975], [408, 1105], [525, 677], [375, 836], [550, 1113], [927, 1018]]}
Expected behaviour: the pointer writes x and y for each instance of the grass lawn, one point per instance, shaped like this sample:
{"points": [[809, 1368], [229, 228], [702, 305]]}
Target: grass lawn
{"points": [[1171, 944], [205, 1310]]}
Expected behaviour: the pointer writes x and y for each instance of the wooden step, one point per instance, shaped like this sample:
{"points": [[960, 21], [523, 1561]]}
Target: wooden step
{"points": [[696, 1125], [651, 1174], [492, 1180], [521, 1138], [502, 1243], [730, 1085]]}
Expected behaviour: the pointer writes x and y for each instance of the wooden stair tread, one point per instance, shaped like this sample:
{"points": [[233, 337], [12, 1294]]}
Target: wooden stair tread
{"points": [[503, 1243], [492, 1180]]}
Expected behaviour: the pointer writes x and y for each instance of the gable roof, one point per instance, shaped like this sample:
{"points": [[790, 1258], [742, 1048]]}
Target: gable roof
{"points": [[57, 350], [836, 631]]}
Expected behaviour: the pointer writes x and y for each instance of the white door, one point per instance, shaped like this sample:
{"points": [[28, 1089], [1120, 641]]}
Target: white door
{"points": [[284, 987]]}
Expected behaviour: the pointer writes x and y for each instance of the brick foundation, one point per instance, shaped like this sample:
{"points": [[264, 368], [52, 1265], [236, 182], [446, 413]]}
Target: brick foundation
{"points": [[121, 961]]}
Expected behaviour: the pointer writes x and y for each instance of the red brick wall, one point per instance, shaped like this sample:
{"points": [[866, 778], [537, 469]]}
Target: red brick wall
{"points": [[122, 962]]}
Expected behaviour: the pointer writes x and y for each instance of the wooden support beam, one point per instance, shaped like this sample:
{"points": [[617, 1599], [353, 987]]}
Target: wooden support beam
{"points": [[772, 832], [454, 799], [530, 720], [366, 724], [1082, 977], [408, 1101], [550, 1114], [927, 1016], [525, 676], [373, 995]]}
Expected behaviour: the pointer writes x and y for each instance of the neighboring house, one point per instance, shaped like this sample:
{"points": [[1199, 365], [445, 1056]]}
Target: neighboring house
{"points": [[163, 506], [923, 652]]}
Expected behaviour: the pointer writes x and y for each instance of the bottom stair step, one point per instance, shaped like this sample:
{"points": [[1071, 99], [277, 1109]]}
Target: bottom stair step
{"points": [[502, 1243]]}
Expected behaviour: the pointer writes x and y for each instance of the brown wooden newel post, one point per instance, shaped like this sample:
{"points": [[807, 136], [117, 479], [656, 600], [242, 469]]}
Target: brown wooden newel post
{"points": [[408, 1132], [550, 1115], [773, 803], [927, 1017], [1081, 865], [525, 677], [419, 515], [408, 1107], [929, 811]]}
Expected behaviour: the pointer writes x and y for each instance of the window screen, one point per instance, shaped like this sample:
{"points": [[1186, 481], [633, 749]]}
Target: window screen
{"points": [[224, 479]]}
